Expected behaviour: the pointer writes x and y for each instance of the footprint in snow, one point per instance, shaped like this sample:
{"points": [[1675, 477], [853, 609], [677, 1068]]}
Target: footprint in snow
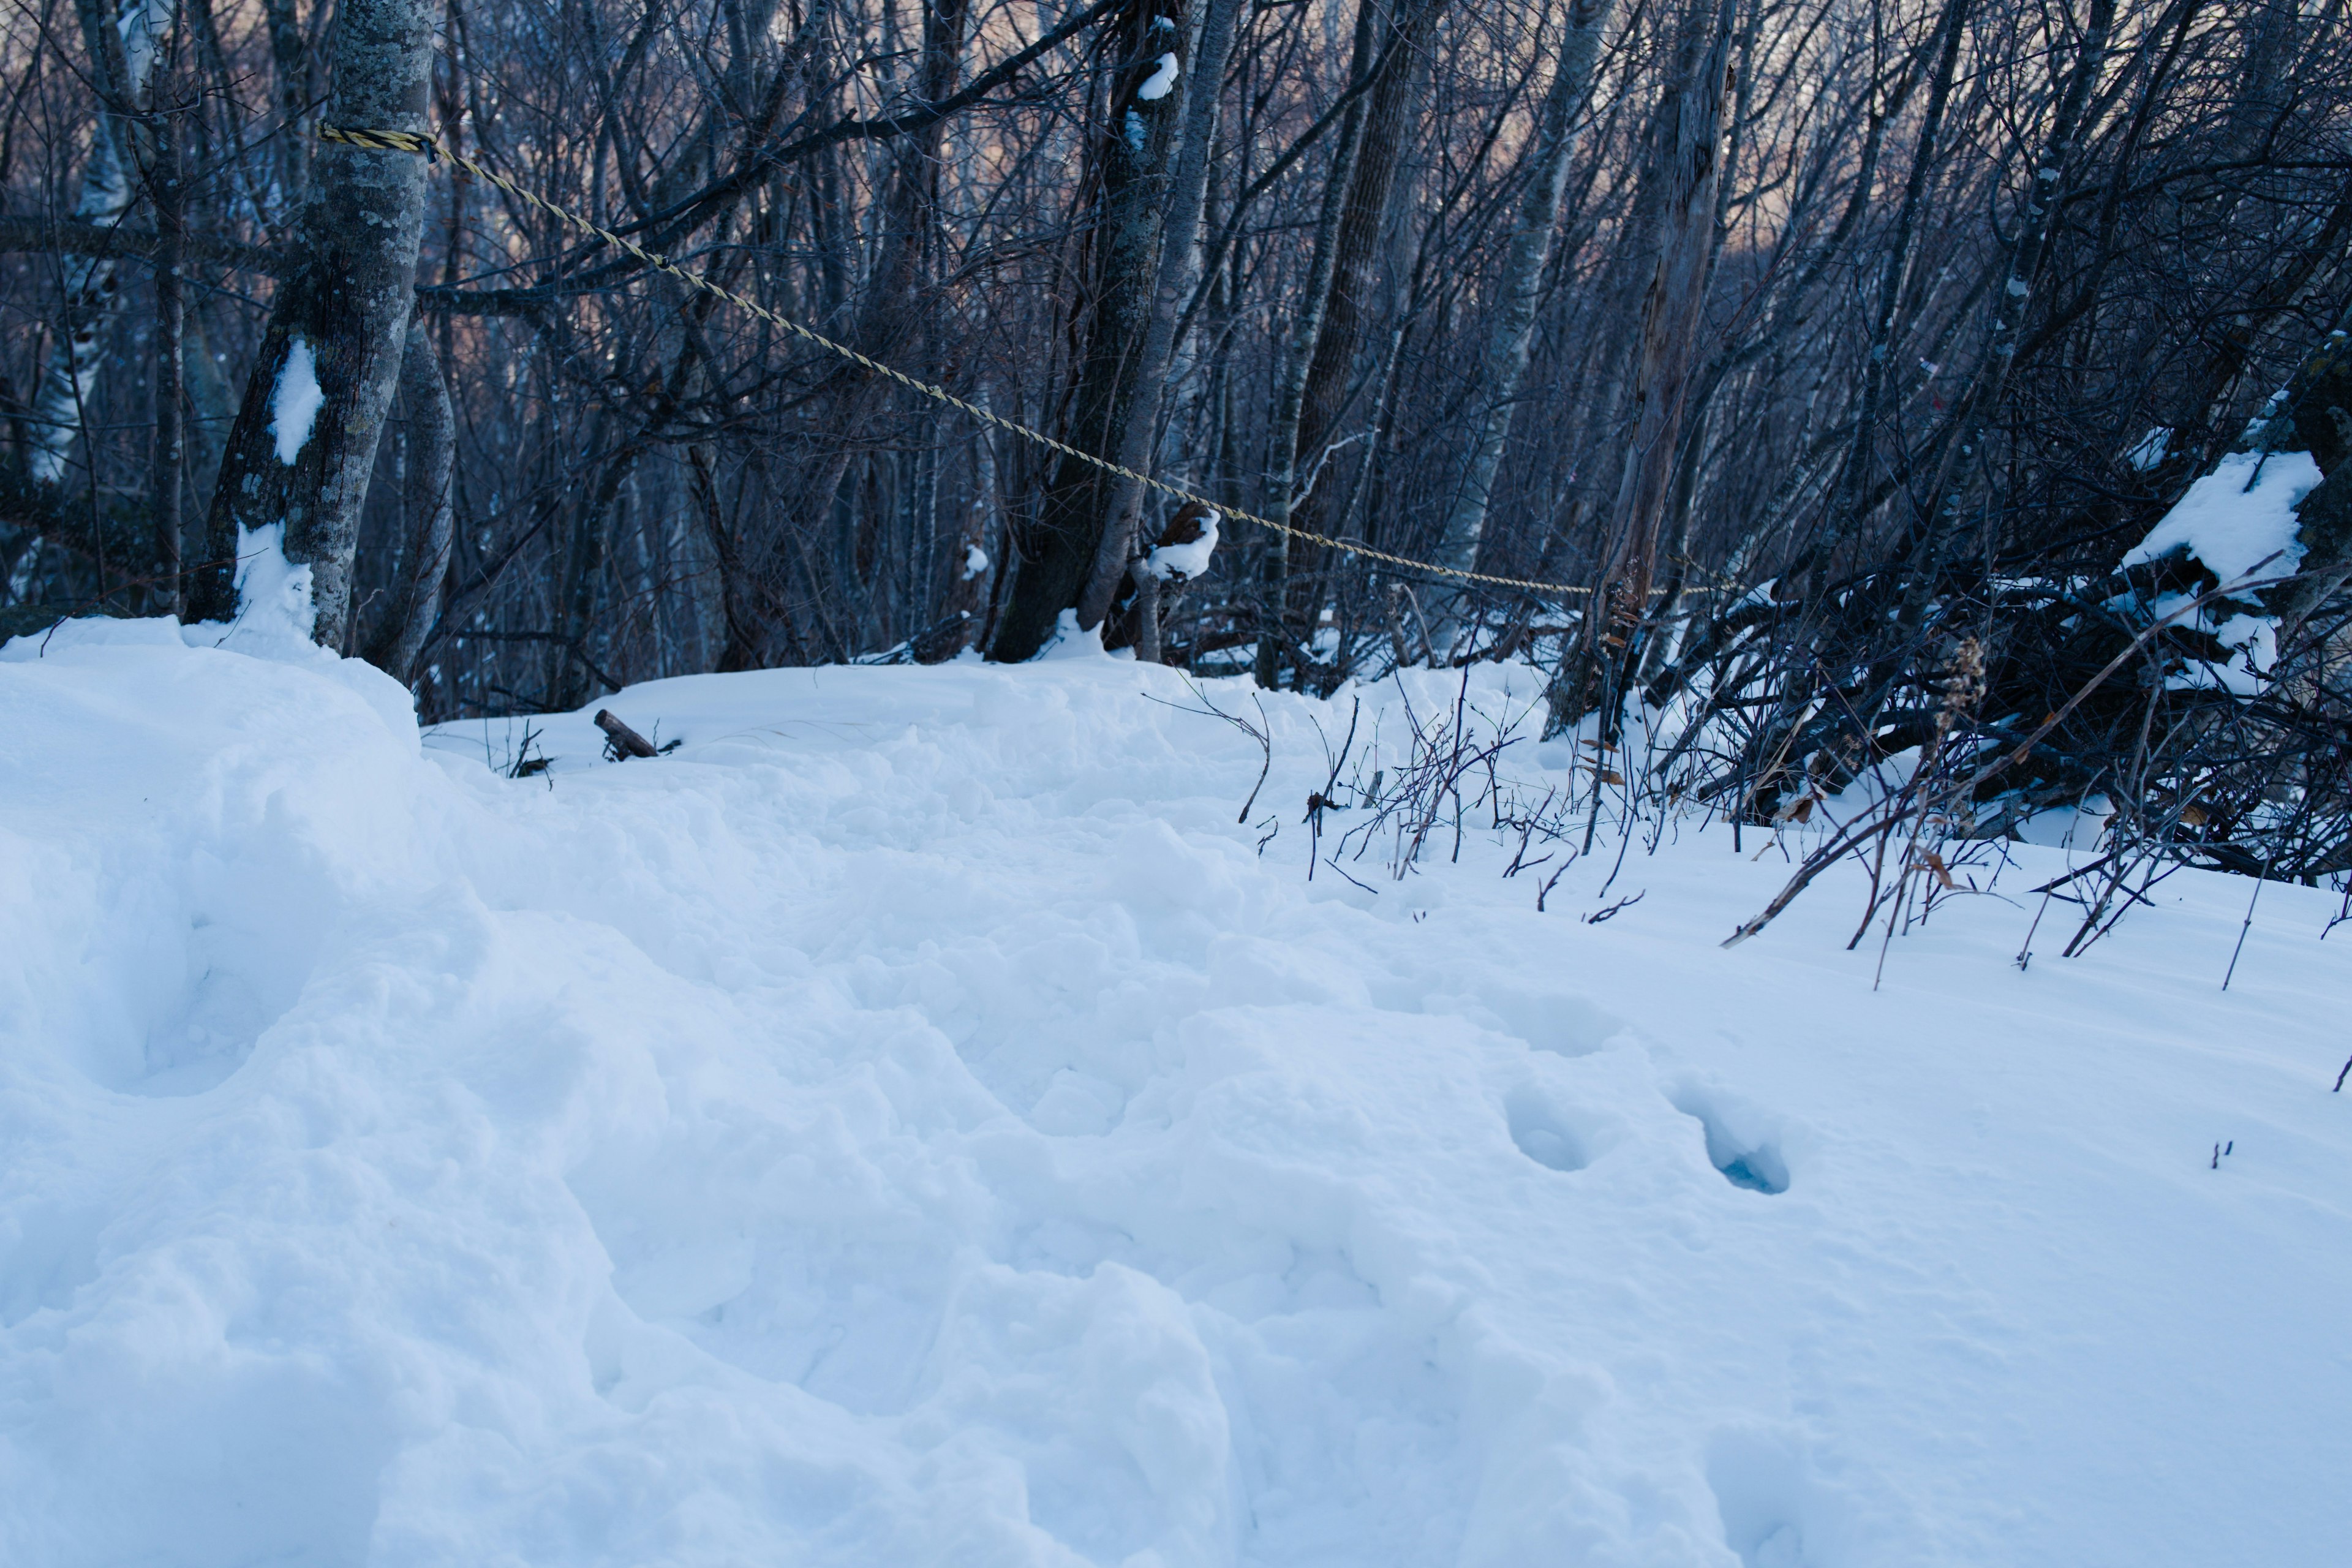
{"points": [[1742, 1143]]}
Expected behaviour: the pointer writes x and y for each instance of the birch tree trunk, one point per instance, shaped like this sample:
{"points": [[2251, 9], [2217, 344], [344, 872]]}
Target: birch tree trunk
{"points": [[123, 50], [1512, 328], [304, 442]]}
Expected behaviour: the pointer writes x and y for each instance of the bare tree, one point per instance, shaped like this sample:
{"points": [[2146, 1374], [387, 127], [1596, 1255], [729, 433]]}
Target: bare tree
{"points": [[304, 444]]}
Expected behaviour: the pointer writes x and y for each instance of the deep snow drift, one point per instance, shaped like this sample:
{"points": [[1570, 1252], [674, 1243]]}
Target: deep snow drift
{"points": [[914, 1123]]}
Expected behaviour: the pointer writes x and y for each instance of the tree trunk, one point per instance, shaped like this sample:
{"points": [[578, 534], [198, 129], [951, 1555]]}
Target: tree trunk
{"points": [[1135, 157], [1690, 142], [1341, 326], [1297, 360], [1847, 500], [431, 436], [1512, 329], [304, 442], [1203, 65], [171, 449], [889, 324], [1389, 120], [972, 564], [294, 81], [123, 49], [2037, 230]]}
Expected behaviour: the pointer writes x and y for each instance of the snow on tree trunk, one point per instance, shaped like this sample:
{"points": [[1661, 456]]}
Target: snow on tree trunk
{"points": [[301, 452]]}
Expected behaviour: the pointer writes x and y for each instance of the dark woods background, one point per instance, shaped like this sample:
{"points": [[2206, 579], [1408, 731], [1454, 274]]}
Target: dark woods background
{"points": [[1869, 306]]}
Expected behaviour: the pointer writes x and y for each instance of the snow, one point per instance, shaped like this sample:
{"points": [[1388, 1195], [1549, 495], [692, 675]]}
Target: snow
{"points": [[1161, 81], [2151, 448], [2069, 827], [915, 1122], [142, 27], [275, 614], [2239, 517], [1189, 559], [294, 402], [1139, 134], [975, 562], [2240, 522]]}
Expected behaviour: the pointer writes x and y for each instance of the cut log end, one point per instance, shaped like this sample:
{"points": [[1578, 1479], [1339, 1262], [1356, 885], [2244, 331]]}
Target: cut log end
{"points": [[620, 741]]}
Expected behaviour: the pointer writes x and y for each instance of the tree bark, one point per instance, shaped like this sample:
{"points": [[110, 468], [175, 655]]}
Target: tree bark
{"points": [[171, 449], [1299, 358], [1512, 329], [432, 437], [1847, 499], [336, 326], [1689, 166], [1134, 154], [123, 50], [1203, 57], [972, 563]]}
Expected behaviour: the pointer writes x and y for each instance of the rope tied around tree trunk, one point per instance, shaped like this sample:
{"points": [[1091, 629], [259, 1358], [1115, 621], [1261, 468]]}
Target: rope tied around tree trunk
{"points": [[432, 151]]}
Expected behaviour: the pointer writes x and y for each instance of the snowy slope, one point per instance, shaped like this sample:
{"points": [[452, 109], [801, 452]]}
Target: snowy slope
{"points": [[914, 1123]]}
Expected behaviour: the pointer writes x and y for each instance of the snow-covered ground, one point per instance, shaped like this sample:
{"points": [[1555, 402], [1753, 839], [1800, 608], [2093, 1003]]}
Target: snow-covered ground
{"points": [[914, 1123]]}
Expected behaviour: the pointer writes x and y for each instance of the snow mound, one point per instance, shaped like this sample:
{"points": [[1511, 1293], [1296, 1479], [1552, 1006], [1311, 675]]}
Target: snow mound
{"points": [[915, 1122], [2238, 520]]}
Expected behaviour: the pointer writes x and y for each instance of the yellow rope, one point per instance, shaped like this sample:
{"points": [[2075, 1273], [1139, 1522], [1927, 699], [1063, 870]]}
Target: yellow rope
{"points": [[431, 150]]}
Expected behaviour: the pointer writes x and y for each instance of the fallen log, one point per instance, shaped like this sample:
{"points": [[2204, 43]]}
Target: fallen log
{"points": [[620, 742]]}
